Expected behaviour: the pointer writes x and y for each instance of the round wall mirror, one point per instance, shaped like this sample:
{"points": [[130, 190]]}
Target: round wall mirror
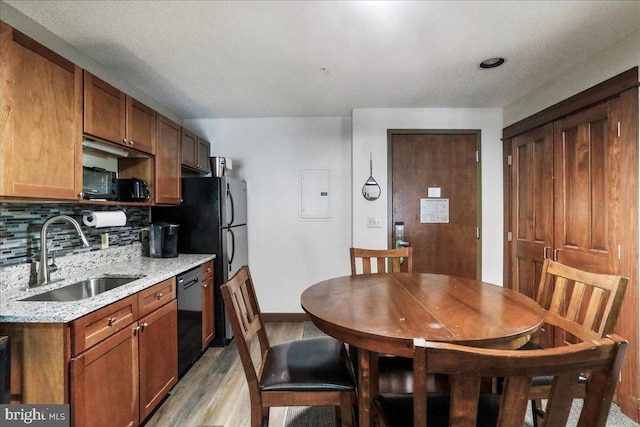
{"points": [[371, 189]]}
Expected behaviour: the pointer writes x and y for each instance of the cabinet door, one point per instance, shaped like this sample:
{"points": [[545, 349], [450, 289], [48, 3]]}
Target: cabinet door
{"points": [[189, 149], [207, 312], [104, 110], [141, 126], [167, 162], [158, 345], [203, 155], [41, 126], [104, 382]]}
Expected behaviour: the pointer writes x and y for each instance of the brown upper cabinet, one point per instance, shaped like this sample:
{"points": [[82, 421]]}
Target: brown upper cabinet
{"points": [[50, 103], [195, 152], [113, 116], [168, 189], [41, 126], [203, 155]]}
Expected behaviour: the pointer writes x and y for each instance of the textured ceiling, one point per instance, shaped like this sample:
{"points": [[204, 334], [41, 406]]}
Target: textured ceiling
{"points": [[324, 58]]}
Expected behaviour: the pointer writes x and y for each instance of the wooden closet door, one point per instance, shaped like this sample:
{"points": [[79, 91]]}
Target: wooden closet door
{"points": [[586, 188], [532, 213]]}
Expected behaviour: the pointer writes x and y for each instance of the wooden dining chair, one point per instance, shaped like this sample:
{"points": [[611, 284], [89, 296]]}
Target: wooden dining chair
{"points": [[306, 372], [399, 260], [467, 405], [395, 373], [582, 306]]}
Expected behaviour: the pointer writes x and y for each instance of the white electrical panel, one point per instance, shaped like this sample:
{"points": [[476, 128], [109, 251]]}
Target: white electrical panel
{"points": [[315, 194]]}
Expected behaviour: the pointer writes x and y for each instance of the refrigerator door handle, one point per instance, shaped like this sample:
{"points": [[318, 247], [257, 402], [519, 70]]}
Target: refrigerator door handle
{"points": [[230, 197], [233, 248]]}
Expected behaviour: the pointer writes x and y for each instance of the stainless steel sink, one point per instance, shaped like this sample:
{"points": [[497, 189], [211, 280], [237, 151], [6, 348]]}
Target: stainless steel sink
{"points": [[84, 289]]}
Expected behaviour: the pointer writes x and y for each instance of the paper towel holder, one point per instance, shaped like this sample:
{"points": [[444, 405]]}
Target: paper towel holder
{"points": [[99, 219]]}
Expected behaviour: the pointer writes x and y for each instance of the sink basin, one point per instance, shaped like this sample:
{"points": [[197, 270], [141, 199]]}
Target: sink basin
{"points": [[84, 289]]}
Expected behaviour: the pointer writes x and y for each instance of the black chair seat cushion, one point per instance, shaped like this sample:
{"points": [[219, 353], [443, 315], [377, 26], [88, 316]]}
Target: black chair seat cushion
{"points": [[312, 364], [544, 380], [396, 410], [530, 345]]}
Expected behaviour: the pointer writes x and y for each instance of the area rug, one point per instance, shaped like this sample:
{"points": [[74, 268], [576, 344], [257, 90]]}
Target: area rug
{"points": [[310, 416], [324, 416]]}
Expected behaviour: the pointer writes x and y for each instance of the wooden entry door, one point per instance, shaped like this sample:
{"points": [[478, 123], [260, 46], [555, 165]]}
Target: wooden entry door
{"points": [[436, 175]]}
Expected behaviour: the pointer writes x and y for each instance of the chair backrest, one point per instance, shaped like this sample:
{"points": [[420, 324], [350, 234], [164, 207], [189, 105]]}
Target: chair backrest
{"points": [[466, 366], [243, 311], [380, 258], [582, 301]]}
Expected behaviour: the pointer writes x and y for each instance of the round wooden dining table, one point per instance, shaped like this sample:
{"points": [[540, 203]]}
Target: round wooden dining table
{"points": [[383, 313]]}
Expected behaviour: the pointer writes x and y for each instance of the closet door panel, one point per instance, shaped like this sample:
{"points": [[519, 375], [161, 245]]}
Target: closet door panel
{"points": [[532, 214], [586, 154]]}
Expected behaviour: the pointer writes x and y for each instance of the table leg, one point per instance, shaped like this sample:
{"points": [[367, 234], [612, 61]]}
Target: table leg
{"points": [[367, 385]]}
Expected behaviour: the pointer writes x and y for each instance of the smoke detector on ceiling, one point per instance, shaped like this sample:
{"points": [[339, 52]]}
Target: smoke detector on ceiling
{"points": [[492, 63]]}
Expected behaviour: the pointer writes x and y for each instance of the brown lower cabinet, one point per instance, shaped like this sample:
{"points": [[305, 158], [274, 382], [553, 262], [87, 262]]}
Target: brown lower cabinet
{"points": [[104, 384], [113, 365], [120, 381], [158, 356]]}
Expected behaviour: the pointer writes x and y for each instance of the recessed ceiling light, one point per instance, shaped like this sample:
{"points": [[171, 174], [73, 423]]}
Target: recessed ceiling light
{"points": [[492, 63]]}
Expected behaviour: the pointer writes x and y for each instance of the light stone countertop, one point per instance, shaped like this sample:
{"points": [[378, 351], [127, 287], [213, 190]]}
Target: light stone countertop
{"points": [[155, 270]]}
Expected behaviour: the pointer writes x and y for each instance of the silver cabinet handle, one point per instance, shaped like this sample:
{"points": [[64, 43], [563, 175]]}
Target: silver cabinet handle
{"points": [[112, 320], [159, 295]]}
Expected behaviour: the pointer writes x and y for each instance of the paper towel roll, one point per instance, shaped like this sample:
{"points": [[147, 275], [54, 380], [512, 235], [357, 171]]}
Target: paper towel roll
{"points": [[105, 219]]}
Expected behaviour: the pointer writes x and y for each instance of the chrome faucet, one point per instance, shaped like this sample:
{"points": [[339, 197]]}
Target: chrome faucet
{"points": [[44, 269]]}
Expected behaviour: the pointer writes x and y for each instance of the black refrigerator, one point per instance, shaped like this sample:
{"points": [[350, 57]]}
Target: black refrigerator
{"points": [[213, 220]]}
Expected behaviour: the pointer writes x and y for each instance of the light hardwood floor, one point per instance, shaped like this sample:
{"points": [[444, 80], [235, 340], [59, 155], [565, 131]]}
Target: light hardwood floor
{"points": [[214, 391]]}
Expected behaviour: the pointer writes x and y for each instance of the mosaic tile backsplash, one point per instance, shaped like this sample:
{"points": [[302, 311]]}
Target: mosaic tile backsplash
{"points": [[20, 225]]}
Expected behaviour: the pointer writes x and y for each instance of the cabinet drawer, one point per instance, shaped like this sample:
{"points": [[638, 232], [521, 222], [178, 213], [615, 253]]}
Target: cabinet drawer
{"points": [[207, 270], [156, 296], [94, 327]]}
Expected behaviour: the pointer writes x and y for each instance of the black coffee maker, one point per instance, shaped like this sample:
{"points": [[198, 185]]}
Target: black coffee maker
{"points": [[163, 240]]}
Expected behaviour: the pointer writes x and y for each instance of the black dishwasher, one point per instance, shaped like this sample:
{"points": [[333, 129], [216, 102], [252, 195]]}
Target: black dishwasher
{"points": [[189, 318]]}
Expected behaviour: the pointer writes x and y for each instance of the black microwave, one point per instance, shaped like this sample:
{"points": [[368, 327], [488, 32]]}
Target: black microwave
{"points": [[99, 183]]}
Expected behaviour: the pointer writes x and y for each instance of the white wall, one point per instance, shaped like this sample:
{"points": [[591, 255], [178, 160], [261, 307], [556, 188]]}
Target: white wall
{"points": [[45, 37], [609, 62], [286, 254], [370, 136]]}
